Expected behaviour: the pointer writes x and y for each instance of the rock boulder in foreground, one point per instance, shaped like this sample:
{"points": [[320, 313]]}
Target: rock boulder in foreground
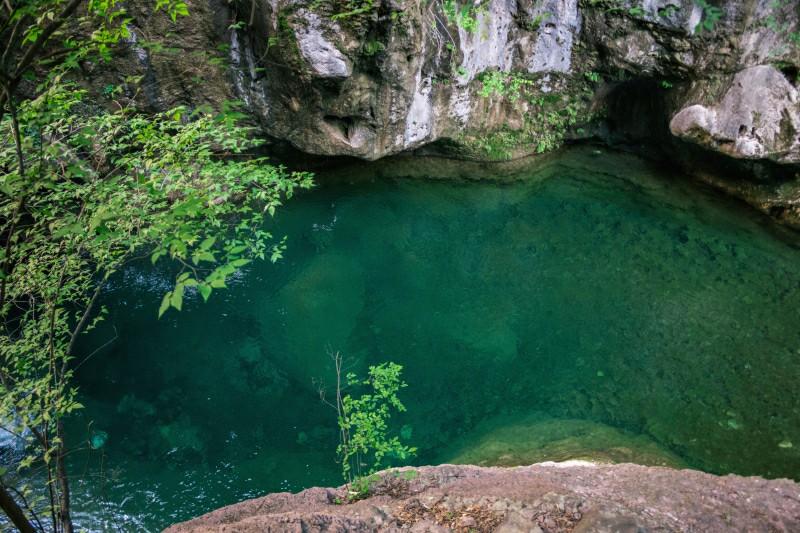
{"points": [[546, 497]]}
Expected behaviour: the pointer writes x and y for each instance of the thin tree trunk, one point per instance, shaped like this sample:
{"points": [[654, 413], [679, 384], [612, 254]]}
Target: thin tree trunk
{"points": [[17, 137], [6, 267], [64, 513], [15, 512], [43, 441]]}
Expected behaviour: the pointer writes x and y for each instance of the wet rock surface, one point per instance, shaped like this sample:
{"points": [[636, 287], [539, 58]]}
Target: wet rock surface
{"points": [[546, 497]]}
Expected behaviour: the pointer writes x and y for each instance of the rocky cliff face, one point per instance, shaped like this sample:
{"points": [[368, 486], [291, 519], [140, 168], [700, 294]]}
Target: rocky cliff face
{"points": [[405, 73], [548, 497], [493, 79]]}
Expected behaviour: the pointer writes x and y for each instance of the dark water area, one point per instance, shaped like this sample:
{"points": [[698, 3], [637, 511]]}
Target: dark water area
{"points": [[595, 308]]}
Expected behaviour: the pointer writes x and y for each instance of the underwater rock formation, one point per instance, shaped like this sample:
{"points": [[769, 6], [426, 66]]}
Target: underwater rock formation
{"points": [[509, 441], [320, 307], [573, 496]]}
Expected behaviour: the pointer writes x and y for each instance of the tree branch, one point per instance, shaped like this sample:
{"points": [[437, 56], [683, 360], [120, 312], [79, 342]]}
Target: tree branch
{"points": [[84, 319], [51, 28], [14, 511]]}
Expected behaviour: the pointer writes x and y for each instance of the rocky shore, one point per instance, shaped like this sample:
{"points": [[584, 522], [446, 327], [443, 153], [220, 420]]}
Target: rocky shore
{"points": [[574, 496]]}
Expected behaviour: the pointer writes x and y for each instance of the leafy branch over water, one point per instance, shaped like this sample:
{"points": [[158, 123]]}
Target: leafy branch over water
{"points": [[83, 193]]}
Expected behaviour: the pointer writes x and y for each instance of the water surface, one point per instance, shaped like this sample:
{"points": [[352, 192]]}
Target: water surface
{"points": [[595, 307]]}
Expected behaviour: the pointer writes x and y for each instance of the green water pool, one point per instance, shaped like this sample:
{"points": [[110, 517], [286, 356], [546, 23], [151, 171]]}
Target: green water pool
{"points": [[593, 307]]}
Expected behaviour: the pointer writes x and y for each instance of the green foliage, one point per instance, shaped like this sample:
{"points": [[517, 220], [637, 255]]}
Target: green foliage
{"points": [[83, 192], [549, 118], [450, 9], [396, 16], [354, 8], [465, 17], [360, 487], [538, 19], [174, 8], [373, 47], [99, 191], [407, 475], [711, 15], [110, 90], [593, 77], [782, 26], [364, 425], [506, 84], [636, 11], [668, 11]]}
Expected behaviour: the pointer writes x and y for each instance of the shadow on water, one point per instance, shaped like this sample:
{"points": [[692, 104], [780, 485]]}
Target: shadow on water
{"points": [[589, 307]]}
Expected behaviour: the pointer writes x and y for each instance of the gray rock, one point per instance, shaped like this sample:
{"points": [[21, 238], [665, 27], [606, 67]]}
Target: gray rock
{"points": [[407, 74], [757, 118], [560, 26], [322, 55]]}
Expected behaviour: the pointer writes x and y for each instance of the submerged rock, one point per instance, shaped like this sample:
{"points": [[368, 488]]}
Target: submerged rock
{"points": [[320, 307], [182, 438], [513, 442], [572, 496]]}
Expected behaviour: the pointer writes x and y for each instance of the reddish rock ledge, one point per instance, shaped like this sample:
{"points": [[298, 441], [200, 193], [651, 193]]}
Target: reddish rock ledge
{"points": [[546, 497]]}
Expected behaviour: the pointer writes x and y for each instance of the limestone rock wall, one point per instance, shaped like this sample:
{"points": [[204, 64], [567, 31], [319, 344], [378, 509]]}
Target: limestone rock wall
{"points": [[371, 78], [405, 73], [494, 79]]}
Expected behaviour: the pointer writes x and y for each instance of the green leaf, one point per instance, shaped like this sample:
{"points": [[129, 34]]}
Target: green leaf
{"points": [[164, 304], [158, 254], [205, 291], [176, 300], [208, 243], [203, 256]]}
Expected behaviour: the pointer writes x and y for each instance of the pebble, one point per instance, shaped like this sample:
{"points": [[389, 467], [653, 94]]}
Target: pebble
{"points": [[467, 521]]}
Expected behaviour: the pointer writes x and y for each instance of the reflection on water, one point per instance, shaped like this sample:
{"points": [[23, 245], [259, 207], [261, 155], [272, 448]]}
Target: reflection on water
{"points": [[593, 309]]}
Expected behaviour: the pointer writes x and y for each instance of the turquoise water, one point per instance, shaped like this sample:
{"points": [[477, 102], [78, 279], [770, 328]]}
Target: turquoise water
{"points": [[592, 306]]}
